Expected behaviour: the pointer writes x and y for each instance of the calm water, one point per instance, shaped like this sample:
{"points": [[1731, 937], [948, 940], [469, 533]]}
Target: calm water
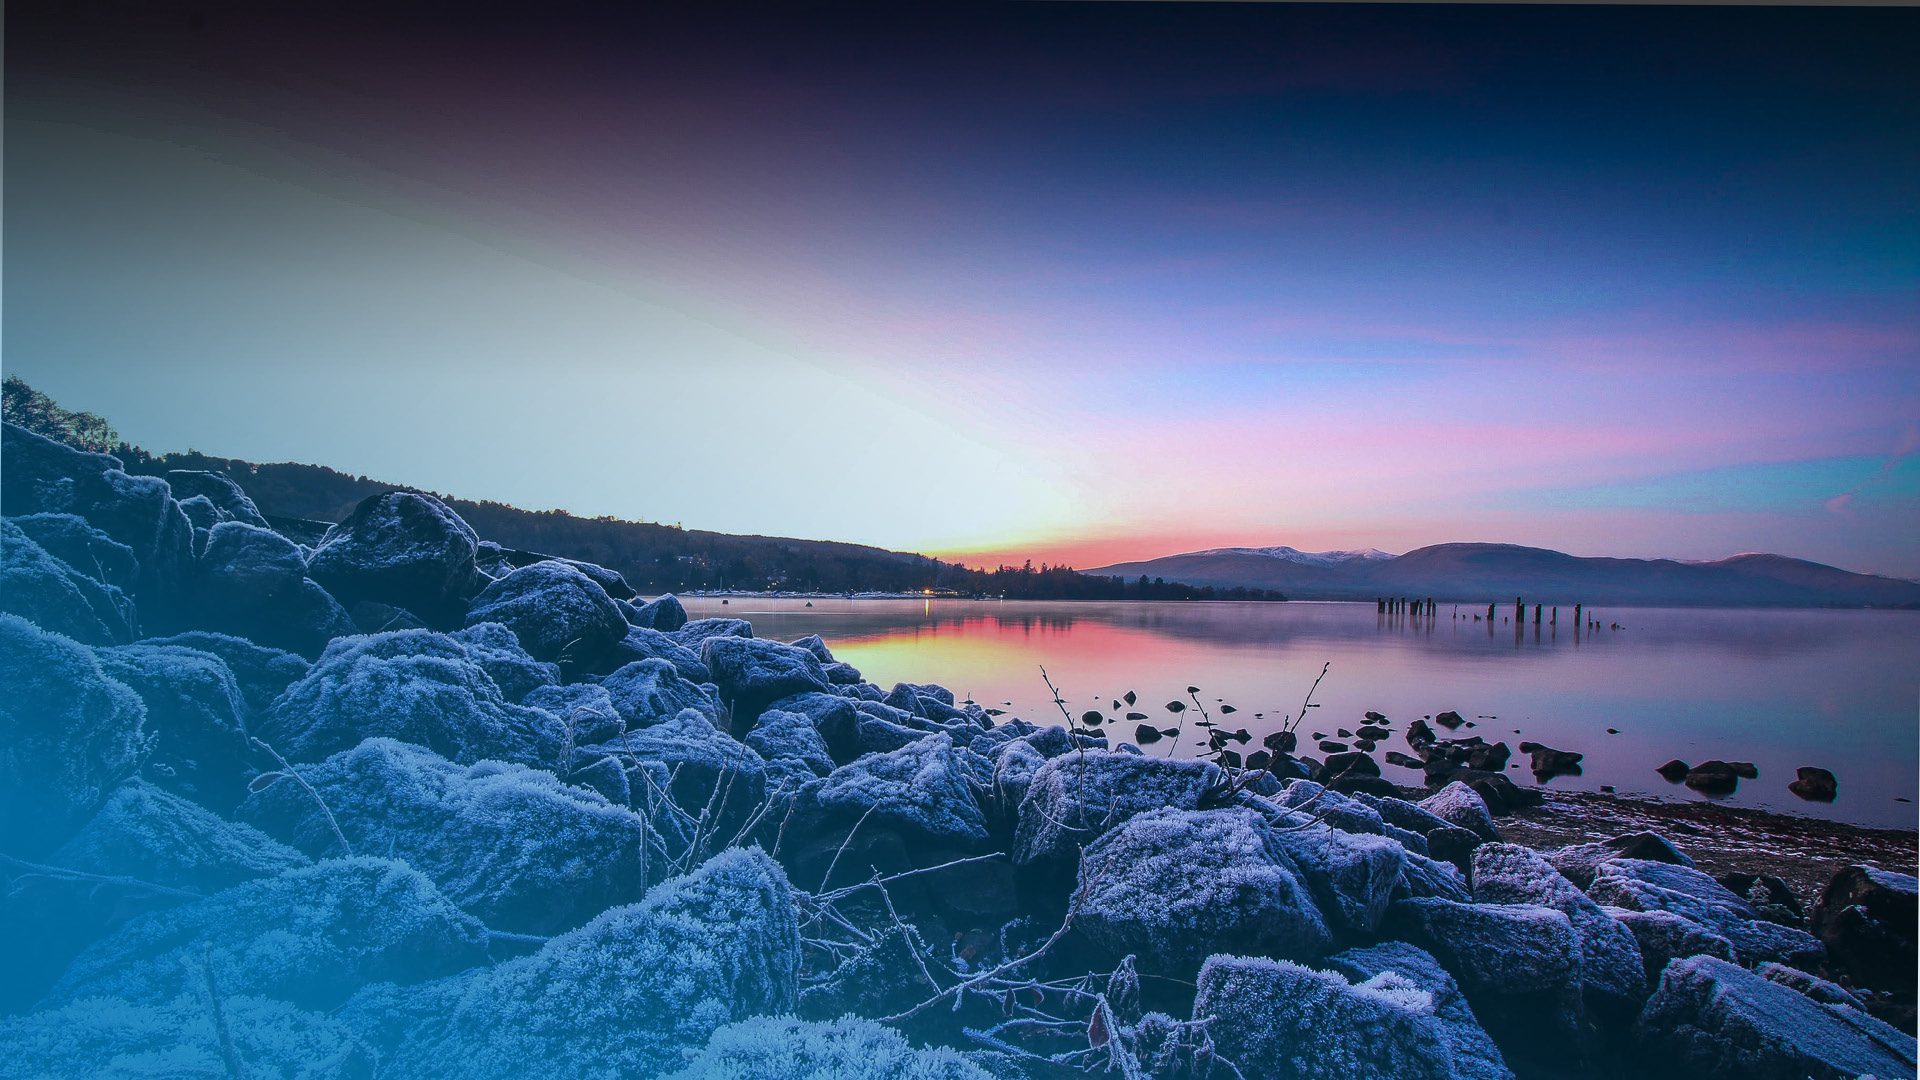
{"points": [[1838, 689]]}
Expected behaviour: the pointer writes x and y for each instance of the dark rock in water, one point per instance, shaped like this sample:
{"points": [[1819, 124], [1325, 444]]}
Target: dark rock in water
{"points": [[1365, 746], [498, 652], [1074, 799], [663, 613], [1475, 1057], [1579, 861], [412, 685], [1405, 761], [1642, 885], [510, 845], [404, 549], [71, 734], [1771, 897], [782, 1046], [115, 1039], [1814, 784], [262, 673], [196, 715], [700, 951], [1745, 770], [1352, 763], [1329, 1028], [648, 692], [1463, 807], [1866, 916], [43, 476], [1665, 937], [374, 618], [1674, 770], [331, 927], [51, 594], [1448, 719], [1375, 717], [1501, 795], [1711, 1017], [754, 672], [557, 612], [1713, 778], [1345, 734], [147, 833], [1173, 887], [695, 634], [1328, 746], [1368, 731], [1350, 784], [1612, 978], [1520, 965], [1549, 762], [70, 539], [252, 583]]}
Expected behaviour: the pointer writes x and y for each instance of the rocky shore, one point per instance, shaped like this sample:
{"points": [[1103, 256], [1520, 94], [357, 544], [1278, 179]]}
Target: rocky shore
{"points": [[404, 803]]}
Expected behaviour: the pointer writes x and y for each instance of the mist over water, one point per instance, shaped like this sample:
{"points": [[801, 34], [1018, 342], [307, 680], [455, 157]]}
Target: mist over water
{"points": [[1782, 689]]}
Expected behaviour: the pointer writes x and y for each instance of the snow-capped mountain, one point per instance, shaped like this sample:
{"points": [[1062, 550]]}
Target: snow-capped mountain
{"points": [[1304, 558]]}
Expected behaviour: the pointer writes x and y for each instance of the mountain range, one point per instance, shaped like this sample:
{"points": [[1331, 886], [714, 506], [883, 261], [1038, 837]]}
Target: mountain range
{"points": [[1485, 573]]}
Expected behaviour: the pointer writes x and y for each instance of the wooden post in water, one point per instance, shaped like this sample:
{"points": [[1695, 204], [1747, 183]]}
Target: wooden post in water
{"points": [[1553, 617], [1536, 614], [1380, 604], [1519, 609], [1577, 615], [1489, 612]]}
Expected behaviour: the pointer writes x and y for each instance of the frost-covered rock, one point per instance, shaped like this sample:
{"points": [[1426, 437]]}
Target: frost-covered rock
{"points": [[1074, 799], [816, 645], [69, 734], [1276, 1018], [405, 549], [1811, 985], [511, 845], [1176, 886], [780, 1047], [1423, 876], [113, 1039], [1475, 1056], [499, 654], [647, 692], [922, 791], [642, 643], [1403, 814], [1710, 1017], [694, 634], [1459, 805], [1664, 937], [629, 992], [1579, 861], [70, 539], [48, 592], [252, 582], [147, 833], [711, 771], [196, 716], [43, 476], [1645, 885], [416, 686], [586, 714], [663, 613], [1518, 963], [780, 735], [261, 673], [1866, 918], [1612, 975], [308, 937], [754, 672], [557, 612], [1346, 812], [220, 491], [1352, 875]]}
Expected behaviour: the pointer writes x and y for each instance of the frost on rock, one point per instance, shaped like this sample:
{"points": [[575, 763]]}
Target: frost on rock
{"points": [[664, 613], [69, 734], [647, 692], [105, 1038], [1645, 885], [1475, 1056], [1074, 799], [43, 476], [627, 993], [1518, 963], [1403, 814], [1459, 805], [586, 714], [783, 736], [1813, 986], [1430, 877], [921, 791], [512, 668], [150, 834], [1176, 886], [695, 634], [416, 686], [1612, 974], [252, 582], [262, 673], [557, 612], [1715, 1018], [712, 773], [1579, 861], [1664, 937], [1015, 764], [814, 644], [50, 593], [1867, 916], [1351, 875], [754, 672], [196, 716], [782, 1047], [70, 539], [513, 846], [1276, 1018], [641, 643], [404, 549], [309, 937], [220, 491]]}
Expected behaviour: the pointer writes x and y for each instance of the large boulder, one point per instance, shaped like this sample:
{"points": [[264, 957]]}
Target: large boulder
{"points": [[694, 634], [1664, 937], [1276, 1018], [261, 673], [1645, 885], [405, 549], [111, 1039], [1866, 917], [148, 833], [220, 491], [642, 643], [499, 654], [754, 672], [1578, 862], [625, 995], [1712, 1018], [69, 734], [50, 593], [1351, 875], [252, 582], [1612, 975], [557, 612], [1173, 887], [713, 776], [43, 476], [511, 845], [663, 613], [1075, 798], [778, 1047], [790, 737], [648, 692], [70, 539], [889, 810], [416, 686], [196, 715], [1519, 964], [1462, 806], [309, 937], [1475, 1056]]}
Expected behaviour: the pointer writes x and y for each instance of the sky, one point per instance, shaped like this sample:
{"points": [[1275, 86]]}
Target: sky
{"points": [[1078, 283]]}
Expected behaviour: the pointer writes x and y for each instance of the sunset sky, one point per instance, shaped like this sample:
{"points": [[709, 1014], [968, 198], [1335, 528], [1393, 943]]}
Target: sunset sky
{"points": [[1066, 282]]}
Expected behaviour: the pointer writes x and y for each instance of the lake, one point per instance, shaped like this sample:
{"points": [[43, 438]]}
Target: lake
{"points": [[1782, 689]]}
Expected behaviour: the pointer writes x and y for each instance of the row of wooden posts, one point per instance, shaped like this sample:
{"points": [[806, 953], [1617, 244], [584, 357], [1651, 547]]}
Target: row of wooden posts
{"points": [[1391, 605]]}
